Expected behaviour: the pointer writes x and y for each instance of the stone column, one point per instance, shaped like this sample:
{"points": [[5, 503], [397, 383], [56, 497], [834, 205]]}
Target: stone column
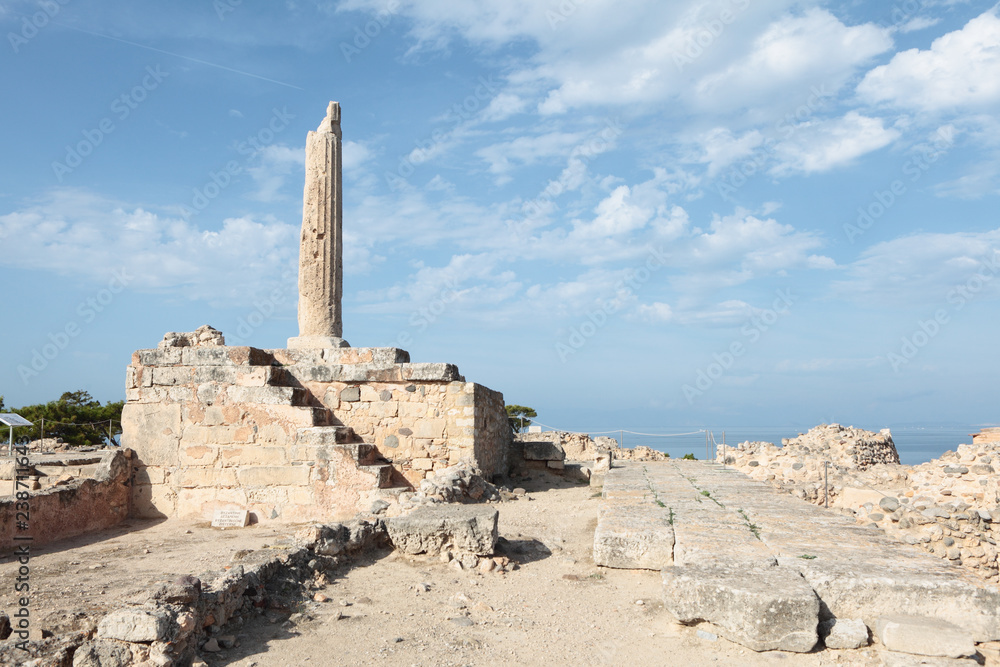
{"points": [[321, 254]]}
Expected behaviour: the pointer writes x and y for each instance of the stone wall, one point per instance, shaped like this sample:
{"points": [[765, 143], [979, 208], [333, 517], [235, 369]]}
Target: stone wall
{"points": [[82, 506], [296, 435]]}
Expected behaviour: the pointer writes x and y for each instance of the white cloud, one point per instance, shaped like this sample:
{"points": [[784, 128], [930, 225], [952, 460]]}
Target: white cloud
{"points": [[961, 69], [923, 268], [821, 145], [794, 50], [655, 312], [503, 106], [918, 23], [84, 236], [720, 148], [276, 163], [528, 150]]}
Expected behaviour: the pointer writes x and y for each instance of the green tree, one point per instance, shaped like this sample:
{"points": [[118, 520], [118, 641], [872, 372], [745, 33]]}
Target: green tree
{"points": [[76, 418], [519, 417]]}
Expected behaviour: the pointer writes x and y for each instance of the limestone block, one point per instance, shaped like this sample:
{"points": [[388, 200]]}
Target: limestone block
{"points": [[430, 372], [199, 455], [153, 501], [844, 633], [432, 528], [634, 537], [423, 464], [369, 394], [103, 653], [543, 451], [764, 609], [253, 456], [195, 477], [385, 409], [165, 357], [137, 625], [412, 410], [219, 374], [430, 428], [350, 394], [254, 376], [153, 431], [265, 395], [210, 435], [273, 475], [924, 636], [870, 590], [205, 356], [170, 376]]}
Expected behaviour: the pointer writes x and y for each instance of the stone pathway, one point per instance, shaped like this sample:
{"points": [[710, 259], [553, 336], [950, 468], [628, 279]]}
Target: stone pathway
{"points": [[766, 567]]}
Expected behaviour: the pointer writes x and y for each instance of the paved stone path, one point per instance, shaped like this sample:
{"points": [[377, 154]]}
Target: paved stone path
{"points": [[766, 567]]}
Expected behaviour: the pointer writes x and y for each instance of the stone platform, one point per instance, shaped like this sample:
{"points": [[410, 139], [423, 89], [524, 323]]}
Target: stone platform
{"points": [[766, 568]]}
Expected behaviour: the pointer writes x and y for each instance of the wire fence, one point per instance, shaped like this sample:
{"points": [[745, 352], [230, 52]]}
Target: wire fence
{"points": [[674, 444]]}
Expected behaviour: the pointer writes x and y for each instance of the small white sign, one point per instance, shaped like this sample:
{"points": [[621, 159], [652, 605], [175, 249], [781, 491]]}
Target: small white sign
{"points": [[534, 429], [231, 519]]}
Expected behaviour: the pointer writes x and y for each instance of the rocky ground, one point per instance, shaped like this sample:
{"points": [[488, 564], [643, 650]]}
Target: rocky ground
{"points": [[948, 506], [554, 606]]}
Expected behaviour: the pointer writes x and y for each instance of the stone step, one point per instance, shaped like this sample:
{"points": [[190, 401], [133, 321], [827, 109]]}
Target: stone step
{"points": [[325, 436]]}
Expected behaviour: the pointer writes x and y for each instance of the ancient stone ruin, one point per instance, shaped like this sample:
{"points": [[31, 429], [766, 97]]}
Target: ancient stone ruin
{"points": [[316, 431]]}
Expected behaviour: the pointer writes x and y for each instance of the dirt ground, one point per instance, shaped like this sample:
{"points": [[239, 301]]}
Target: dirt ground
{"points": [[556, 608]]}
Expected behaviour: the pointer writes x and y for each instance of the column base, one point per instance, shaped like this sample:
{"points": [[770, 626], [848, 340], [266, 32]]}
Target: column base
{"points": [[316, 342]]}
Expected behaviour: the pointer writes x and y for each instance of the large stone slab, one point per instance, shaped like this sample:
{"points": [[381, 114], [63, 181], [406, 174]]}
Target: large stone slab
{"points": [[137, 625], [859, 590], [924, 636], [433, 528], [542, 450], [763, 609], [634, 537]]}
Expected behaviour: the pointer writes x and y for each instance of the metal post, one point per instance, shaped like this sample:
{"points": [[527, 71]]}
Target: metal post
{"points": [[110, 442], [41, 443], [826, 484]]}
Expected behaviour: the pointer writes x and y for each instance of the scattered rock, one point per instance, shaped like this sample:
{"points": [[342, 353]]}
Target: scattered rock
{"points": [[924, 636]]}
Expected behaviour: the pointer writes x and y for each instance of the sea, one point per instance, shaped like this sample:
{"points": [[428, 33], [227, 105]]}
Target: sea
{"points": [[914, 444]]}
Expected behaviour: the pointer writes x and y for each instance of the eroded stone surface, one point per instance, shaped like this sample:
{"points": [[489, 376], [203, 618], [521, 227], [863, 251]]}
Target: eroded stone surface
{"points": [[764, 609], [924, 636], [432, 529], [321, 252]]}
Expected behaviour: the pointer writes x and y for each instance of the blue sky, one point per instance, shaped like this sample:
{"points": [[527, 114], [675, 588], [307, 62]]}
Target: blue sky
{"points": [[622, 214]]}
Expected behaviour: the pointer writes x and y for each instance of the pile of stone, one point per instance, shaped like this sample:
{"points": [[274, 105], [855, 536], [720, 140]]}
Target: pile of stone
{"points": [[460, 483], [203, 336], [582, 447], [463, 535], [192, 616], [799, 466], [948, 506]]}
